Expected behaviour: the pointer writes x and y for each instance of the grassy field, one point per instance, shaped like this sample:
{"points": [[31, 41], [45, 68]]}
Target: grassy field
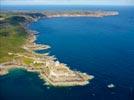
{"points": [[12, 37]]}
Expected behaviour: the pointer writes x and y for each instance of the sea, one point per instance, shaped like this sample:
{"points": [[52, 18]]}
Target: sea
{"points": [[102, 47]]}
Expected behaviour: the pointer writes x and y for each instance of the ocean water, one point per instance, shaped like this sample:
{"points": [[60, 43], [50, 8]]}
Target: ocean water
{"points": [[103, 47]]}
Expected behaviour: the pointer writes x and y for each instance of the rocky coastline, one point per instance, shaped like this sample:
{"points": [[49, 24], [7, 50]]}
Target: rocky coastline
{"points": [[49, 68]]}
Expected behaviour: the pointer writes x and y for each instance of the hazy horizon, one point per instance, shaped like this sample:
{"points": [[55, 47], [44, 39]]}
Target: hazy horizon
{"points": [[68, 2]]}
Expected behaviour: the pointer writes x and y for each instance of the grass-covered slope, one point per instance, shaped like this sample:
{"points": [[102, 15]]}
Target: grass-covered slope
{"points": [[12, 36]]}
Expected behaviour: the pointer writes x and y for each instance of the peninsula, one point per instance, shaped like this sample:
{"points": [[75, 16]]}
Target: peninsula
{"points": [[17, 48]]}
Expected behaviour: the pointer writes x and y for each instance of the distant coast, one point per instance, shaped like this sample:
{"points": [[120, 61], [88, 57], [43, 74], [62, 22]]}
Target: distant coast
{"points": [[81, 14], [50, 14]]}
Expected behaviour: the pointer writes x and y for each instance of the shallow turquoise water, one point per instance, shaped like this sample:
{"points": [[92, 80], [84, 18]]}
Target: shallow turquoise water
{"points": [[103, 47]]}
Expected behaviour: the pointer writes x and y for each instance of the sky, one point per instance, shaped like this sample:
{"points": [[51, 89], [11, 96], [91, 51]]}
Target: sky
{"points": [[67, 2]]}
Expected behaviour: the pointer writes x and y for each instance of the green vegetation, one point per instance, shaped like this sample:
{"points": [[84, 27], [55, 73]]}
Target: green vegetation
{"points": [[28, 61], [12, 36], [38, 64]]}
